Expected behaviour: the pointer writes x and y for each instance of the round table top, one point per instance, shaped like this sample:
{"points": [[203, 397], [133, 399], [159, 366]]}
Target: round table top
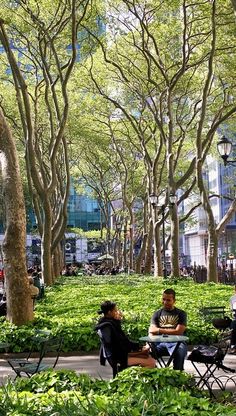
{"points": [[164, 338]]}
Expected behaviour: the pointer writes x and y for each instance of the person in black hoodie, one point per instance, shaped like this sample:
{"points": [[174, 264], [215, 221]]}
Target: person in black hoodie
{"points": [[117, 347]]}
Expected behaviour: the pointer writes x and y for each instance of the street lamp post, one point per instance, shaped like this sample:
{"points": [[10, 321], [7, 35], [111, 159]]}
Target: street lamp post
{"points": [[224, 147]]}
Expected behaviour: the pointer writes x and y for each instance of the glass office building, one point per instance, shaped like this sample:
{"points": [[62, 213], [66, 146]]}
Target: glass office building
{"points": [[83, 212]]}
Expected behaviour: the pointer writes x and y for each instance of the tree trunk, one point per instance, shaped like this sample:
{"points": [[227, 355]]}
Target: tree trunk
{"points": [[125, 247], [212, 275], [174, 242], [19, 304], [115, 252], [131, 244], [234, 5], [140, 257], [155, 241], [119, 250], [46, 255], [56, 262], [158, 269], [148, 256], [212, 253]]}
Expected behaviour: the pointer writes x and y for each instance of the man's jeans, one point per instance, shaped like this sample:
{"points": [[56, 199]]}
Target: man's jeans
{"points": [[166, 348]]}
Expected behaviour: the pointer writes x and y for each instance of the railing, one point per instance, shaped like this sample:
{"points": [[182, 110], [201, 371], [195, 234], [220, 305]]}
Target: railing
{"points": [[227, 277]]}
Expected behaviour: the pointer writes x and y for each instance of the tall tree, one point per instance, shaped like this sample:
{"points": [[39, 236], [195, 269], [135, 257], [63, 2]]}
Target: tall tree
{"points": [[19, 305], [47, 37], [168, 75]]}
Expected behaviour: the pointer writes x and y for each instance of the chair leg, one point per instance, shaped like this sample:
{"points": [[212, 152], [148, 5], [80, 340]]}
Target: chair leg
{"points": [[114, 370], [204, 378]]}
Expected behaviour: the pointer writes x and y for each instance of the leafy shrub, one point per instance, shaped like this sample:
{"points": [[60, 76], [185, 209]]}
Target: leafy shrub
{"points": [[136, 378], [70, 309], [60, 380], [135, 392]]}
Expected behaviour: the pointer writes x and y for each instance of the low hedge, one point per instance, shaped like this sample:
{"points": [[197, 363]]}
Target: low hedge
{"points": [[70, 309], [135, 392]]}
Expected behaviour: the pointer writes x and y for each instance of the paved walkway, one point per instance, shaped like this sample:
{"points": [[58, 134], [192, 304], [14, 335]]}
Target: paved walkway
{"points": [[85, 364], [89, 364]]}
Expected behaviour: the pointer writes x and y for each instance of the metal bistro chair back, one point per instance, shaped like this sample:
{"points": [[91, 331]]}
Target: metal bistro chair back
{"points": [[106, 353], [39, 336], [207, 359], [215, 315], [29, 366]]}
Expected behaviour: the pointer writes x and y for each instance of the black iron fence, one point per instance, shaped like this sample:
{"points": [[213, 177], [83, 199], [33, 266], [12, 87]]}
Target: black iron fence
{"points": [[225, 276]]}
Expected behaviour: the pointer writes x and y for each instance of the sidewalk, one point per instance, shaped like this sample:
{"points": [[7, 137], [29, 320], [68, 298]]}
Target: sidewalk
{"points": [[89, 364]]}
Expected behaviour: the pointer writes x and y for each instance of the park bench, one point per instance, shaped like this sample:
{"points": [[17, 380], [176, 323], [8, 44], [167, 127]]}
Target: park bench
{"points": [[29, 366]]}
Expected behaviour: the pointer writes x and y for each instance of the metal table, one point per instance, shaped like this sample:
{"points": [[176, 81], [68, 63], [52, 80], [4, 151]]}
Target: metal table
{"points": [[153, 339]]}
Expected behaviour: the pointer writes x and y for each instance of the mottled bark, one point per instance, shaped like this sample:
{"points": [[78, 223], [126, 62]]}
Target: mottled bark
{"points": [[234, 5], [57, 262], [158, 269], [212, 253], [140, 257], [148, 256], [174, 241], [19, 305], [131, 241], [46, 254]]}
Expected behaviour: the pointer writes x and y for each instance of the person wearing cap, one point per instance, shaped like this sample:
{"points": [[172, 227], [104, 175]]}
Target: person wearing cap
{"points": [[118, 346]]}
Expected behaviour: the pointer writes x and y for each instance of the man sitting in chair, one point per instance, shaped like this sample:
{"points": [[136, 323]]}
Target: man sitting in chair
{"points": [[170, 320], [118, 347]]}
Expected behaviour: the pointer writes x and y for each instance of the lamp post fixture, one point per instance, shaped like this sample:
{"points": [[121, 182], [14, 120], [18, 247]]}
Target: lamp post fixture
{"points": [[224, 147], [172, 199], [153, 200]]}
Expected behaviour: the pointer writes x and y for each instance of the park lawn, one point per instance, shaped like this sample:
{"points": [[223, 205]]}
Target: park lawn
{"points": [[70, 308]]}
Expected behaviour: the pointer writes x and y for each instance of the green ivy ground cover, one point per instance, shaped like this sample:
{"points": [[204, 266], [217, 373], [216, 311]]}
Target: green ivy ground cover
{"points": [[135, 392], [70, 309]]}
